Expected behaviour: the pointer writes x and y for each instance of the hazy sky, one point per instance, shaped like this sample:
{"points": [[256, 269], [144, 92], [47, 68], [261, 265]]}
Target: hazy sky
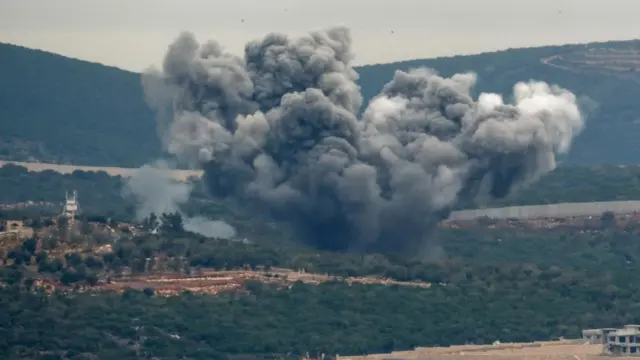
{"points": [[133, 34]]}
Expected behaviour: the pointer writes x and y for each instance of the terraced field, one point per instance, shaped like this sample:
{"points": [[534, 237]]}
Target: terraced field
{"points": [[624, 63]]}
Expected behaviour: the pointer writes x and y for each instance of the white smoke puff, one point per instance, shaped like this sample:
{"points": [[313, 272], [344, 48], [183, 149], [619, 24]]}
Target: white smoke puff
{"points": [[557, 108], [500, 135], [548, 117], [488, 102], [379, 123], [155, 192], [381, 112], [210, 228]]}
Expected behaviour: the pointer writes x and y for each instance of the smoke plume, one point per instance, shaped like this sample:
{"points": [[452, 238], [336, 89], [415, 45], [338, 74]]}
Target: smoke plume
{"points": [[278, 130], [154, 191]]}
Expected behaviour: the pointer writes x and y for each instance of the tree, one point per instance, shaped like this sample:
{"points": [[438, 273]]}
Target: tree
{"points": [[172, 223], [29, 246], [73, 259], [92, 279], [150, 222], [608, 219], [63, 222], [85, 227], [50, 266], [36, 224], [70, 277], [41, 256], [11, 275], [93, 263]]}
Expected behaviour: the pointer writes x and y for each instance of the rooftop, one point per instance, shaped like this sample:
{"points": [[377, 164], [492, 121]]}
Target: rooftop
{"points": [[625, 332]]}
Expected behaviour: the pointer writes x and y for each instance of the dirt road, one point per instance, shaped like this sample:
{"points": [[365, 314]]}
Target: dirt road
{"points": [[180, 175], [213, 282], [548, 350]]}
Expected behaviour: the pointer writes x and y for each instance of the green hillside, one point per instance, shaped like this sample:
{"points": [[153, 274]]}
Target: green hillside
{"points": [[494, 285], [57, 109], [486, 284]]}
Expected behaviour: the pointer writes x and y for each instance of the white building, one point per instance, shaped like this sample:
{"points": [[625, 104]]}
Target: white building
{"points": [[625, 341], [71, 207], [597, 336]]}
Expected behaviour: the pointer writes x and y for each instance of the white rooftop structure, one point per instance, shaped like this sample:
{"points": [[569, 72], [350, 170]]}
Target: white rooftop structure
{"points": [[625, 341], [70, 208]]}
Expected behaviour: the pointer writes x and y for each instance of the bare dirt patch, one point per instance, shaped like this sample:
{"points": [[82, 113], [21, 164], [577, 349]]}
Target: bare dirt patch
{"points": [[214, 282], [547, 350]]}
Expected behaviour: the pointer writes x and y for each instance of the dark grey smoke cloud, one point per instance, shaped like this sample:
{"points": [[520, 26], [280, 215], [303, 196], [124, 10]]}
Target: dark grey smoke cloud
{"points": [[278, 131]]}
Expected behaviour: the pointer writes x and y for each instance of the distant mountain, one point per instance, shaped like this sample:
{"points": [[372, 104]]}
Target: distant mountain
{"points": [[57, 109], [54, 108]]}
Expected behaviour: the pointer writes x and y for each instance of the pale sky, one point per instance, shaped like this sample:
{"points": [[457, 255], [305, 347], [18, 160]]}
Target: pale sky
{"points": [[133, 34]]}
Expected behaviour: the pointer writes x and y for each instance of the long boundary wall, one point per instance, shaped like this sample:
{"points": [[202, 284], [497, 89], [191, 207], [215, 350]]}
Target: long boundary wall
{"points": [[549, 211]]}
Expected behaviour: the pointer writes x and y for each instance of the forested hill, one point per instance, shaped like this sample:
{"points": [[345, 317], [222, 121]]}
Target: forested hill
{"points": [[57, 109]]}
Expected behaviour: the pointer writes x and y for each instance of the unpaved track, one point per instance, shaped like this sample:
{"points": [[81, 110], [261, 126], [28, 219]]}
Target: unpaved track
{"points": [[180, 175], [213, 281], [549, 350]]}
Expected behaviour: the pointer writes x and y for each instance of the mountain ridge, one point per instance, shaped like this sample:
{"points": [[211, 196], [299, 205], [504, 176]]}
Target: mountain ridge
{"points": [[59, 109]]}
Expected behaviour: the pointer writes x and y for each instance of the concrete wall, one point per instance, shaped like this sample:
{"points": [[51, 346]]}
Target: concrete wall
{"points": [[546, 211]]}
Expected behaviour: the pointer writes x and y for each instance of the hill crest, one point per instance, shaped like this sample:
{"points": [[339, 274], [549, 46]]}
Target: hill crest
{"points": [[58, 109]]}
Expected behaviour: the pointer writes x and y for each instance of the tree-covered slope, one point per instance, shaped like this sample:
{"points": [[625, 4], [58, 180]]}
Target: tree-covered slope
{"points": [[57, 109], [511, 294], [53, 108]]}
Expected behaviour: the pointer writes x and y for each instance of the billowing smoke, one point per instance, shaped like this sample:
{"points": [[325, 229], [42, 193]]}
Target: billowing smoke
{"points": [[154, 191], [279, 132]]}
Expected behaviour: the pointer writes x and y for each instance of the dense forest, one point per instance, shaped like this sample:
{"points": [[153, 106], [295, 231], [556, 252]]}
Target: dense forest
{"points": [[73, 111], [332, 318], [487, 284], [493, 285]]}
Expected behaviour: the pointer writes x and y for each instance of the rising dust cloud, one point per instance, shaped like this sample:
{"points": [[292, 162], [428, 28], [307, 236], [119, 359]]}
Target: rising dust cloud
{"points": [[279, 132]]}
